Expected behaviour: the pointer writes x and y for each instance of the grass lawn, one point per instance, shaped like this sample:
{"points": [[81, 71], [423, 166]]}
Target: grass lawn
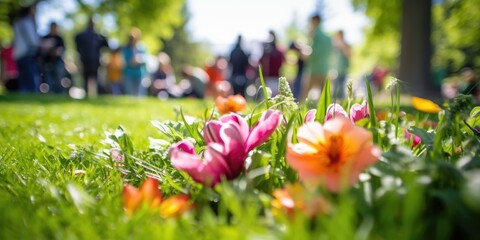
{"points": [[58, 179], [44, 139]]}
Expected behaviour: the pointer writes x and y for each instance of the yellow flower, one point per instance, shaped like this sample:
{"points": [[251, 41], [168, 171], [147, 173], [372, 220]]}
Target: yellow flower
{"points": [[425, 105], [332, 155]]}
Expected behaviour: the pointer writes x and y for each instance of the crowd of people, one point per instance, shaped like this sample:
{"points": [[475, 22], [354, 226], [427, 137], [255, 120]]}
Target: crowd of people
{"points": [[35, 64]]}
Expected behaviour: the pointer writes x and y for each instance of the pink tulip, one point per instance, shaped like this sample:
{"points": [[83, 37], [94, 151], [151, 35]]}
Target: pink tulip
{"points": [[228, 140], [335, 110], [359, 112], [310, 116], [416, 139]]}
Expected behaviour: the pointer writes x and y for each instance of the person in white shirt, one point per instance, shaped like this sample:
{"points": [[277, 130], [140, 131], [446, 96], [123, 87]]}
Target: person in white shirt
{"points": [[26, 45]]}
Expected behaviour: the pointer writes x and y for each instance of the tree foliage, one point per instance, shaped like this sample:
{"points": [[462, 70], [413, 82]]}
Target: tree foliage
{"points": [[456, 33], [156, 18], [455, 36]]}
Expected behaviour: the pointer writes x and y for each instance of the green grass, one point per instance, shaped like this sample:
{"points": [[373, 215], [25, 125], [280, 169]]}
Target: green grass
{"points": [[44, 139]]}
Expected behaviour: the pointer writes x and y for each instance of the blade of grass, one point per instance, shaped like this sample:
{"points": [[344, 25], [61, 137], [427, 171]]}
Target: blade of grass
{"points": [[323, 102], [264, 87]]}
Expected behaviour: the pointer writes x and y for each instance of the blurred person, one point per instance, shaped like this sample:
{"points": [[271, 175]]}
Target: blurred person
{"points": [[114, 71], [238, 64], [198, 80], [377, 77], [318, 60], [473, 84], [216, 73], [135, 70], [8, 69], [53, 67], [341, 63], [89, 43], [302, 53], [271, 62], [163, 80], [26, 45]]}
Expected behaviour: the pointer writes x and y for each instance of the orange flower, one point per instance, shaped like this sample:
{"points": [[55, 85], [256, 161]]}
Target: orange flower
{"points": [[425, 105], [232, 103], [333, 154], [174, 206], [150, 195], [294, 198]]}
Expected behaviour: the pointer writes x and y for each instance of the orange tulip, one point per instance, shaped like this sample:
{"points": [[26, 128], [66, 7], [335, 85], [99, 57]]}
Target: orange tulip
{"points": [[150, 195], [425, 105], [232, 103], [332, 155]]}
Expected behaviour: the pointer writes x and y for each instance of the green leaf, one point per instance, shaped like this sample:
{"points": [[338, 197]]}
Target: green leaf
{"points": [[427, 137], [123, 140], [323, 102]]}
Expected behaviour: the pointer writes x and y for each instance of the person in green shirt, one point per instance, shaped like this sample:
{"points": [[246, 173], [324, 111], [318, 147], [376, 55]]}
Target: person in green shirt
{"points": [[341, 62], [317, 62]]}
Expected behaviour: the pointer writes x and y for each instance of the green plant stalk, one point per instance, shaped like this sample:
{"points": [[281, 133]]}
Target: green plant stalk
{"points": [[264, 87], [373, 116], [397, 120]]}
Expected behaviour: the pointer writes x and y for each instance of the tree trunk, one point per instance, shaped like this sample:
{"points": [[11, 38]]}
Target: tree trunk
{"points": [[415, 51]]}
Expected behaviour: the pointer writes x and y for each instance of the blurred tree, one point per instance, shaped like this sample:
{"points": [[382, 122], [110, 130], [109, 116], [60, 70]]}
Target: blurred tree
{"points": [[8, 10], [456, 34], [156, 18], [181, 49], [406, 32], [407, 22], [415, 50]]}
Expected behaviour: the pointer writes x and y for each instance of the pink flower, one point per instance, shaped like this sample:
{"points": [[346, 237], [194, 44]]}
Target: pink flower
{"points": [[359, 112], [416, 139], [335, 110], [228, 142], [310, 116]]}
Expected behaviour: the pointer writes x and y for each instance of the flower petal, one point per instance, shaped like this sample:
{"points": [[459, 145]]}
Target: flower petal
{"points": [[265, 126], [211, 132], [237, 119], [332, 155], [234, 147], [131, 198], [215, 164], [425, 105], [151, 195], [359, 112], [222, 104], [174, 206], [310, 116], [188, 162], [185, 146], [335, 110]]}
